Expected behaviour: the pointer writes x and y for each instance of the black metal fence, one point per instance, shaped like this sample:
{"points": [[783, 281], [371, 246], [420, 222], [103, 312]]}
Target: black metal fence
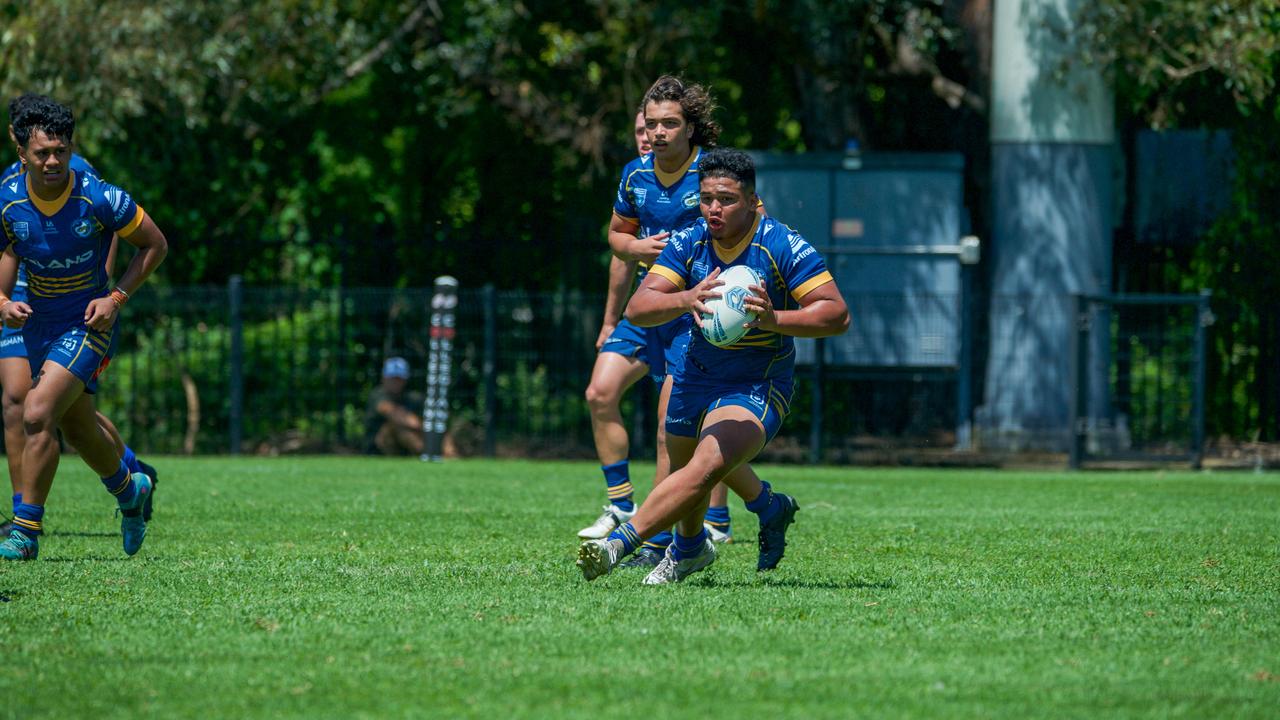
{"points": [[1148, 401], [270, 370]]}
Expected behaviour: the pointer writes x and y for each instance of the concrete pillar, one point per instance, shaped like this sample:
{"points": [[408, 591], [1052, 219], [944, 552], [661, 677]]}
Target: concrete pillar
{"points": [[1052, 133]]}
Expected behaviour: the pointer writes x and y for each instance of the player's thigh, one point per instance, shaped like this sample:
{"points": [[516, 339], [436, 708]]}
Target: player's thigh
{"points": [[664, 402], [731, 435], [612, 374], [680, 449], [52, 394]]}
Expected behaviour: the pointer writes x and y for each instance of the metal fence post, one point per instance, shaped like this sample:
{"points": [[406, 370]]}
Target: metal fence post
{"points": [[235, 297], [489, 368], [1204, 317], [1079, 397], [815, 422]]}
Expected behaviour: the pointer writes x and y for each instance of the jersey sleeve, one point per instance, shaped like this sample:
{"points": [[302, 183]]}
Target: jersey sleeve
{"points": [[117, 211], [624, 204], [803, 268], [673, 263]]}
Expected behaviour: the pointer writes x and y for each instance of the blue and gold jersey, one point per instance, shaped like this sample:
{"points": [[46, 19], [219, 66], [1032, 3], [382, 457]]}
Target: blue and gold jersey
{"points": [[658, 201], [64, 242], [79, 165], [791, 269]]}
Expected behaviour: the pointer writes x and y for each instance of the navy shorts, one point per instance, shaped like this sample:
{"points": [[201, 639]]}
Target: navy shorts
{"points": [[662, 348], [693, 398], [11, 344], [84, 352]]}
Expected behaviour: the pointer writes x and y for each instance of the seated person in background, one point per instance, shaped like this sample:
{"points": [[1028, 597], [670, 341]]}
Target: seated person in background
{"points": [[393, 420]]}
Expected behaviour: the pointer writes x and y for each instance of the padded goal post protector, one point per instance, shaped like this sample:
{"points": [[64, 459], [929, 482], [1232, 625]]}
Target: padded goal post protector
{"points": [[435, 409]]}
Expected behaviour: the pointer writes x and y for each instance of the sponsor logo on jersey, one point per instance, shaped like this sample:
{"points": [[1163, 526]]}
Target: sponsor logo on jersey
{"points": [[50, 228], [663, 199], [82, 227], [639, 194], [62, 263], [690, 199], [119, 201], [22, 230]]}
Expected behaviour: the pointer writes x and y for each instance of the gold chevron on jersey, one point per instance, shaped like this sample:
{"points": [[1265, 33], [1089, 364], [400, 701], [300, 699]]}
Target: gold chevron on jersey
{"points": [[45, 286]]}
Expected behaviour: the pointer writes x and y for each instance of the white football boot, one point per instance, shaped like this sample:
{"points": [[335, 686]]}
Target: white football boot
{"points": [[608, 521], [598, 557], [671, 570]]}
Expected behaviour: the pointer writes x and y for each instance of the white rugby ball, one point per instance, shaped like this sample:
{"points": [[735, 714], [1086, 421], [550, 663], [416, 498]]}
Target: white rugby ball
{"points": [[723, 325]]}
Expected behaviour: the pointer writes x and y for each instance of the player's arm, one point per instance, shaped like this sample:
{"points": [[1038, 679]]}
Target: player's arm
{"points": [[398, 415], [152, 249], [13, 314], [620, 274], [661, 298], [822, 312], [110, 265], [626, 245]]}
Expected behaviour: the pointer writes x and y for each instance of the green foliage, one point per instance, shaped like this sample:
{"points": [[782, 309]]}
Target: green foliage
{"points": [[383, 142], [366, 587], [1183, 60]]}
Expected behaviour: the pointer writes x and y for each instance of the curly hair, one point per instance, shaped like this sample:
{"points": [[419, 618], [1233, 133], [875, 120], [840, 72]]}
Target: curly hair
{"points": [[731, 164], [696, 104], [29, 113]]}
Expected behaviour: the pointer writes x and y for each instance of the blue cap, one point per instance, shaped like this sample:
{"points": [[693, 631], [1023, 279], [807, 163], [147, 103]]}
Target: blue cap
{"points": [[396, 367]]}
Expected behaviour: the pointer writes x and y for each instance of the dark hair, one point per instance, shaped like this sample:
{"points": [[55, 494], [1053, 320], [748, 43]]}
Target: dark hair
{"points": [[696, 104], [29, 113], [729, 163], [16, 104]]}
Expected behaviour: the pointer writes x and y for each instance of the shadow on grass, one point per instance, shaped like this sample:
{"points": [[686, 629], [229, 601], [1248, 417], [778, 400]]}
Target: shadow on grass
{"points": [[77, 533], [9, 595], [806, 583]]}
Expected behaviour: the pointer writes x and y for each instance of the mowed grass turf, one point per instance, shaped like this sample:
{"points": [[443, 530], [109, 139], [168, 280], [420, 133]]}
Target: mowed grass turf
{"points": [[352, 587]]}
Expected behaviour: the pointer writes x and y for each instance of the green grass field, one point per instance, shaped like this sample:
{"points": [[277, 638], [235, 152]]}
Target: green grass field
{"points": [[348, 587]]}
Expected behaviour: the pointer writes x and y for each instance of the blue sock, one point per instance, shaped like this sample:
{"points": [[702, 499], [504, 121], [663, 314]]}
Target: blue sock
{"points": [[626, 532], [29, 519], [689, 547], [17, 500], [618, 479], [765, 506], [121, 485], [130, 460], [659, 542], [718, 518]]}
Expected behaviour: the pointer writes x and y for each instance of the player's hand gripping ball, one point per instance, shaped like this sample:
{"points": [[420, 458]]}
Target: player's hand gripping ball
{"points": [[725, 323]]}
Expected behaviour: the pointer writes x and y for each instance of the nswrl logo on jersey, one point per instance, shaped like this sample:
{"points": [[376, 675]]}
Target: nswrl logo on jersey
{"points": [[22, 230], [639, 194]]}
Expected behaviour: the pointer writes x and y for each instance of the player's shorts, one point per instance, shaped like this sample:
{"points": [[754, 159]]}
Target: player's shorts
{"points": [[662, 347], [627, 340], [668, 343], [11, 344], [77, 348], [692, 398]]}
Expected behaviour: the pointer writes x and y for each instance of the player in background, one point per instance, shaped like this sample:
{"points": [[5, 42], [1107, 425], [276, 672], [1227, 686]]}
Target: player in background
{"points": [[15, 371], [727, 403], [60, 223], [620, 362]]}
